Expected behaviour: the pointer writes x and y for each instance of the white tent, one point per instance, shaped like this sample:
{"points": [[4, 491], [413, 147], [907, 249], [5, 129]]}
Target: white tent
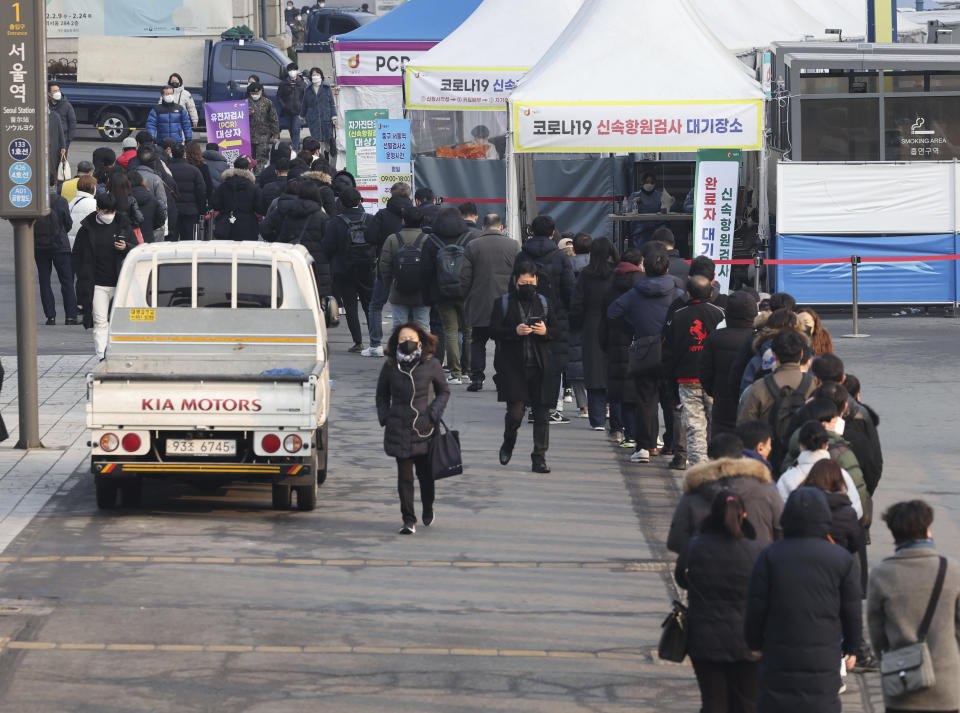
{"points": [[479, 64]]}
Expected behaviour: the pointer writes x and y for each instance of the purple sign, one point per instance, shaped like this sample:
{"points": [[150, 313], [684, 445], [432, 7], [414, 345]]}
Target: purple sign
{"points": [[228, 125]]}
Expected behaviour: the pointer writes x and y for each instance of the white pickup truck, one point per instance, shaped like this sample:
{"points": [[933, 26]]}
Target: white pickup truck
{"points": [[216, 371]]}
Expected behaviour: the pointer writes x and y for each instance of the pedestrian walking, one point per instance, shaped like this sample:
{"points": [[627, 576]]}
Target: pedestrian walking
{"points": [[264, 125], [154, 214], [319, 111], [169, 120], [522, 325], [191, 195], [715, 569], [903, 588], [51, 251], [290, 99], [412, 394], [487, 270], [237, 202], [400, 270], [720, 349], [83, 204], [803, 611], [60, 105]]}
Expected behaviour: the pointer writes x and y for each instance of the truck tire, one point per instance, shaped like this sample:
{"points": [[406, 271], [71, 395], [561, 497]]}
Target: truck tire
{"points": [[106, 495], [319, 463], [306, 497], [281, 497], [113, 126], [131, 494]]}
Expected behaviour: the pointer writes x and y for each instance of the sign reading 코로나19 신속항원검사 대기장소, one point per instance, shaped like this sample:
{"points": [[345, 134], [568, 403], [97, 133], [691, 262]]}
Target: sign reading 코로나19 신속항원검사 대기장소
{"points": [[715, 207], [228, 125], [638, 126], [138, 18], [393, 156]]}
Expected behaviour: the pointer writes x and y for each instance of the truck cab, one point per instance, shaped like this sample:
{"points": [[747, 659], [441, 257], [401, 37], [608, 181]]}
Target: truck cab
{"points": [[230, 64], [216, 371]]}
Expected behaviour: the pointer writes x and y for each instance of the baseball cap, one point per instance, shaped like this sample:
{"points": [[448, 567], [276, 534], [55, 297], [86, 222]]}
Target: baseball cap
{"points": [[129, 143], [565, 243]]}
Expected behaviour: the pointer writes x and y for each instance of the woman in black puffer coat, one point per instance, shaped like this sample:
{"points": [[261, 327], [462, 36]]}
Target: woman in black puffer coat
{"points": [[715, 570], [237, 202], [412, 393], [615, 342]]}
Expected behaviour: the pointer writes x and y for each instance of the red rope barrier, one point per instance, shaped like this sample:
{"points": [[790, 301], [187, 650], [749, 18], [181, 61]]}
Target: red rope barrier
{"points": [[842, 260]]}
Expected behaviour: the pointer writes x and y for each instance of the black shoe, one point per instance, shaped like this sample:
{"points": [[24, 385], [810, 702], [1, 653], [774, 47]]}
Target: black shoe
{"points": [[506, 452], [556, 418], [475, 385], [679, 462], [51, 321], [73, 321], [428, 518], [539, 465], [355, 349]]}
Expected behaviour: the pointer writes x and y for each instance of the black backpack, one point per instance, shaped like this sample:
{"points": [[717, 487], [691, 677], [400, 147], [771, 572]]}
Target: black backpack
{"points": [[407, 277], [47, 232], [449, 266], [545, 284], [360, 253], [786, 402]]}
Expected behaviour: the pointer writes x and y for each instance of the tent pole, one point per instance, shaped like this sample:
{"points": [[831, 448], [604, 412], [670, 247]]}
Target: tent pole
{"points": [[763, 228], [529, 203]]}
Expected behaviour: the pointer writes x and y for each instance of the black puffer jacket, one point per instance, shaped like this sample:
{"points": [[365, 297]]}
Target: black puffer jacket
{"points": [[191, 188], [275, 217], [554, 261], [720, 349], [845, 528], [715, 569], [304, 224], [616, 336], [424, 383], [387, 221], [448, 229], [238, 196], [154, 214], [803, 611]]}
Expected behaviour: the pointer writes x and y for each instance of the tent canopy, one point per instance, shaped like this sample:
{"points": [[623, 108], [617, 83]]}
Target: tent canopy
{"points": [[743, 26], [413, 21], [479, 63], [707, 100]]}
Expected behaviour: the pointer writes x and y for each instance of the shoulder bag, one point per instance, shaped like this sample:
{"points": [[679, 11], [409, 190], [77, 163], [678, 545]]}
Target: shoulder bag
{"points": [[644, 356], [446, 459], [673, 638], [910, 668]]}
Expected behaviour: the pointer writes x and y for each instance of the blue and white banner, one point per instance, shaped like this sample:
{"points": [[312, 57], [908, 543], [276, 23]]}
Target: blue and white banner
{"points": [[878, 282], [393, 156], [138, 18]]}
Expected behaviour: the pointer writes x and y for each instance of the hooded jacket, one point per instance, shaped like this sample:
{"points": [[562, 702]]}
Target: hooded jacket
{"points": [[238, 197], [487, 269], [275, 217], [645, 307], [745, 477], [720, 350], [448, 229], [217, 165], [327, 198], [92, 237], [387, 221], [803, 611], [191, 188], [407, 429], [559, 292], [303, 223], [616, 335]]}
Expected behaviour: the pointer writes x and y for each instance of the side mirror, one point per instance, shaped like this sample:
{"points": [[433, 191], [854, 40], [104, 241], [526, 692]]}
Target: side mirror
{"points": [[331, 311]]}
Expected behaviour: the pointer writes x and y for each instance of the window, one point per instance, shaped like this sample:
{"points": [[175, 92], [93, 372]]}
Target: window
{"points": [[903, 83], [213, 285], [255, 62], [225, 57], [922, 128], [840, 129], [944, 82], [839, 82], [341, 24]]}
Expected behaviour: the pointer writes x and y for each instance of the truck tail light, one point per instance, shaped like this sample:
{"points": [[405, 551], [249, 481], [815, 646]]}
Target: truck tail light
{"points": [[270, 443], [109, 442], [131, 442], [292, 443]]}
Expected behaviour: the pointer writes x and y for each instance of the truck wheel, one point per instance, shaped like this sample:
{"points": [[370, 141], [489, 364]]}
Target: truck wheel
{"points": [[319, 463], [281, 497], [131, 493], [113, 126], [106, 495], [306, 497]]}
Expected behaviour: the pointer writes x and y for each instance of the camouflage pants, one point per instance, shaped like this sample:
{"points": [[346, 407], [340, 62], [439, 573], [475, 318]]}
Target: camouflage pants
{"points": [[261, 154], [696, 407]]}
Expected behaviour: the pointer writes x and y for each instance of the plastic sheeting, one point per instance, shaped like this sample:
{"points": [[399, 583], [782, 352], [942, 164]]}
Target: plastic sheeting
{"points": [[878, 283], [866, 198]]}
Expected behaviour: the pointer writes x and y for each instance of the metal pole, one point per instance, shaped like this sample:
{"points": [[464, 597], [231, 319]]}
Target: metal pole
{"points": [[757, 264], [26, 334], [854, 261]]}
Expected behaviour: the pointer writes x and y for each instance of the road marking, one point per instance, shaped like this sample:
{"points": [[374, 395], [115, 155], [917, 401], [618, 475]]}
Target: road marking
{"points": [[611, 565], [83, 647]]}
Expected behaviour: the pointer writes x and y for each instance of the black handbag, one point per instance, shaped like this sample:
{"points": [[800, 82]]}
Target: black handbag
{"points": [[673, 638], [446, 459], [644, 356]]}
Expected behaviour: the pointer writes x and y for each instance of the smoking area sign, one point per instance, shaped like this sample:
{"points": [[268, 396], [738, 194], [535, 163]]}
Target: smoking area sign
{"points": [[24, 160]]}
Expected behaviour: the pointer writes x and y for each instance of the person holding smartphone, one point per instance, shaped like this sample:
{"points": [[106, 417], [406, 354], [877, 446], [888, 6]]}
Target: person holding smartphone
{"points": [[522, 325]]}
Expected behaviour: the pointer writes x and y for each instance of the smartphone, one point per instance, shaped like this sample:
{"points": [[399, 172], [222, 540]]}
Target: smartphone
{"points": [[533, 321]]}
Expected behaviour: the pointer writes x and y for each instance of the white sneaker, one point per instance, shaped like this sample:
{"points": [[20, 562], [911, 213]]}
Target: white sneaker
{"points": [[372, 352], [454, 380], [641, 456], [408, 529]]}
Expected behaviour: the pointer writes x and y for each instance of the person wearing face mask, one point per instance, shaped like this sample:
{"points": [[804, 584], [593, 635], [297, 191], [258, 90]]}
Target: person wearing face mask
{"points": [[169, 120], [298, 32], [319, 111], [649, 199], [264, 124], [290, 99], [103, 241], [289, 13], [481, 137], [522, 325], [62, 106], [409, 416], [183, 97]]}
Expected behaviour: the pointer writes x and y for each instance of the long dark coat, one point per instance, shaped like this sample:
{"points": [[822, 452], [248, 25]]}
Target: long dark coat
{"points": [[544, 252], [720, 350], [425, 382], [803, 611], [487, 269], [240, 196], [615, 337], [586, 312], [304, 223], [508, 359], [91, 236]]}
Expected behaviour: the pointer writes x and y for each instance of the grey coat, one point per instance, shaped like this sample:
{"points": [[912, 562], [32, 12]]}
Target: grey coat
{"points": [[487, 268], [897, 597]]}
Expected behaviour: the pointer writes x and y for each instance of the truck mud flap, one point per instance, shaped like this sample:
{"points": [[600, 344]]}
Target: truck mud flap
{"points": [[286, 473]]}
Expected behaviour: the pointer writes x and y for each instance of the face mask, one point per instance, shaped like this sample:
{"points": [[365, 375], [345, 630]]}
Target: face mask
{"points": [[57, 96], [526, 292], [315, 79], [648, 187], [292, 74], [106, 218], [408, 357], [255, 97], [408, 347], [293, 155], [174, 84], [168, 98]]}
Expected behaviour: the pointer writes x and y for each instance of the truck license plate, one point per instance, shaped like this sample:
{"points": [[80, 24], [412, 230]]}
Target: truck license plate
{"points": [[201, 447]]}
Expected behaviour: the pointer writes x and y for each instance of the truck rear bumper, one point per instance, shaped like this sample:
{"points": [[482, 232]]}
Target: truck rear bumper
{"points": [[280, 474]]}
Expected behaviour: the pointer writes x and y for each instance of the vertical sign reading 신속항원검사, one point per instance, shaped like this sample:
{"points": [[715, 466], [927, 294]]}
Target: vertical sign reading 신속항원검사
{"points": [[393, 156], [228, 125], [24, 166], [715, 207]]}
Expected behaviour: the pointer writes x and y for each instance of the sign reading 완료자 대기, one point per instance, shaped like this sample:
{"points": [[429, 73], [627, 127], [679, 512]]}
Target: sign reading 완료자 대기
{"points": [[393, 156], [25, 163], [228, 125], [715, 207]]}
